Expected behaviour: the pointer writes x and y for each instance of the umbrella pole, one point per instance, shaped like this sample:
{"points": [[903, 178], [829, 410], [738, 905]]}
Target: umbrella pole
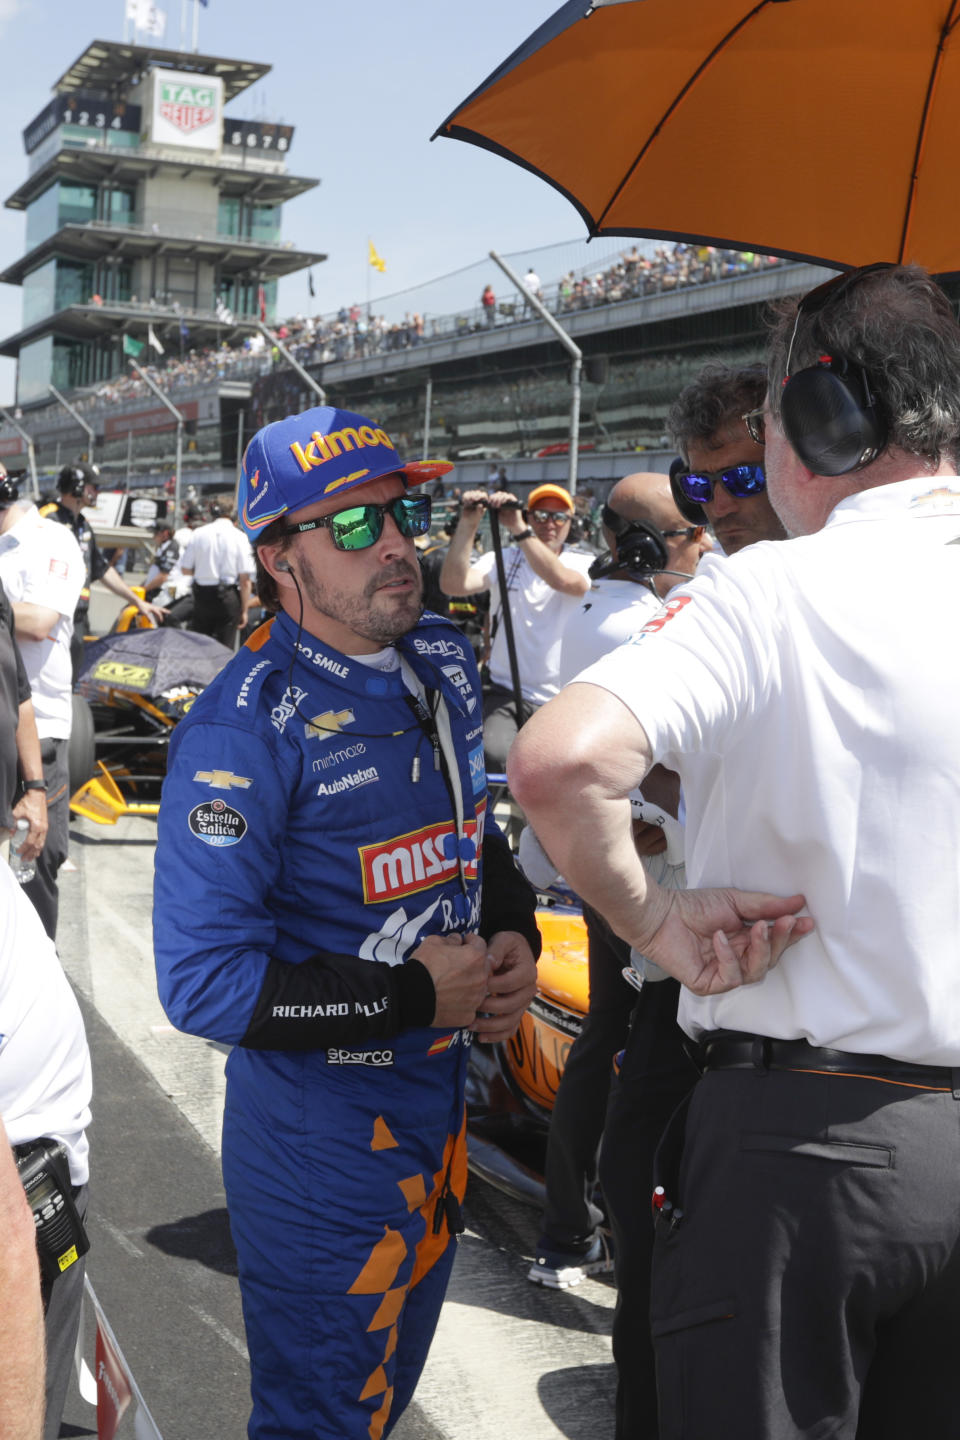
{"points": [[506, 615]]}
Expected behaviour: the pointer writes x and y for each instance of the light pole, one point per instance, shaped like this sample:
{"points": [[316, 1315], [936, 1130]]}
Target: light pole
{"points": [[79, 419], [572, 349], [179, 419]]}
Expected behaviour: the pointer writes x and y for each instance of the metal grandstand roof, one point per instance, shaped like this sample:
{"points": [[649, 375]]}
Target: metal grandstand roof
{"points": [[111, 66]]}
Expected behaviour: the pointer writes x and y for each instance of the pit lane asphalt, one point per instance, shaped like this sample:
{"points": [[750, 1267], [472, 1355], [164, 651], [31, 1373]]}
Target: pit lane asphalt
{"points": [[509, 1358]]}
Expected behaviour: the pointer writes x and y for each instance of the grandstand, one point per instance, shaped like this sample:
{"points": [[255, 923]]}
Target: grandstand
{"points": [[154, 235]]}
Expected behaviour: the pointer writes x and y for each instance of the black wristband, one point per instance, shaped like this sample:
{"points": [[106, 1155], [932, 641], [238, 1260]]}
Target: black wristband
{"points": [[33, 785], [524, 535]]}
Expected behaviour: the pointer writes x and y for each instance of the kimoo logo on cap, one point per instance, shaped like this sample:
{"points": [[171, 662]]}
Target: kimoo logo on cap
{"points": [[321, 449], [305, 458]]}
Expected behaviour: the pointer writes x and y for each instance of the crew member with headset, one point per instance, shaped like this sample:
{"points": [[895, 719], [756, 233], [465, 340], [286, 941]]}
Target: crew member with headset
{"points": [[649, 548], [77, 487], [219, 560], [806, 1276], [545, 583]]}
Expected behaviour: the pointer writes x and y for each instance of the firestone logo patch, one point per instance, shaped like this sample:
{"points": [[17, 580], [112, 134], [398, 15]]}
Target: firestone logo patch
{"points": [[418, 860]]}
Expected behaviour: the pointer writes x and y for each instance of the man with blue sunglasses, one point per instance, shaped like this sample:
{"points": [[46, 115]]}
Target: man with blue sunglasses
{"points": [[715, 425], [333, 901]]}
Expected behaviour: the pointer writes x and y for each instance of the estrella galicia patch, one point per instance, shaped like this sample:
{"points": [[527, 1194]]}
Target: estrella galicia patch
{"points": [[217, 823], [478, 770]]}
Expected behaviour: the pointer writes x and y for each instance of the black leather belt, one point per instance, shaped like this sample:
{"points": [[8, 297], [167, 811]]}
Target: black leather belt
{"points": [[736, 1050]]}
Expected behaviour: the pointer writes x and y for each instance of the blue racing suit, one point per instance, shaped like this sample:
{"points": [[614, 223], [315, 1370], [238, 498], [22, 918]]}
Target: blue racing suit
{"points": [[312, 833]]}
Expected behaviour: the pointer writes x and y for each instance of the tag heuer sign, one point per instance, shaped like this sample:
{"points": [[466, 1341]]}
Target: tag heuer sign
{"points": [[187, 109], [187, 106]]}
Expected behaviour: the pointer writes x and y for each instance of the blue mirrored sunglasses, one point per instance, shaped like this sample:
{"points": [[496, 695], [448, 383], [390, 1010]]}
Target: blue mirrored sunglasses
{"points": [[740, 480], [361, 526]]}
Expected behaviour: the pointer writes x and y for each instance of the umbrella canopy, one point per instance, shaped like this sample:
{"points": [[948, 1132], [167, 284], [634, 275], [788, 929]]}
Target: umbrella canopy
{"points": [[816, 129], [150, 662]]}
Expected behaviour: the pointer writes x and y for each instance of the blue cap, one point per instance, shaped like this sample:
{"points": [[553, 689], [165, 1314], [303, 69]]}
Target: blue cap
{"points": [[309, 457]]}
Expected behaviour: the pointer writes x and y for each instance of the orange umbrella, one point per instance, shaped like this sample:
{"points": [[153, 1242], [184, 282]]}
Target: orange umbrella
{"points": [[817, 129]]}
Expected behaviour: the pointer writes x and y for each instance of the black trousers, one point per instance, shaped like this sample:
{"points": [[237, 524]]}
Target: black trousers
{"points": [[216, 612], [500, 725], [812, 1288], [580, 1108], [42, 889], [655, 1077]]}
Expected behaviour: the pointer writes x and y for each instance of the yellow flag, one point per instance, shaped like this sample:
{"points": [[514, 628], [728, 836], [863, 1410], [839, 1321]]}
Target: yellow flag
{"points": [[375, 259]]}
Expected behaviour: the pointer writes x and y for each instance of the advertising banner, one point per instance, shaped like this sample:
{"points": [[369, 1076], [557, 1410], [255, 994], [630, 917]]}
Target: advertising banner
{"points": [[187, 110]]}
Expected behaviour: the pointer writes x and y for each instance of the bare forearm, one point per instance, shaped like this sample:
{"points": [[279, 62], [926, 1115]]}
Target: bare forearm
{"points": [[552, 569], [28, 743], [21, 1329], [33, 622], [586, 750], [456, 564], [112, 580]]}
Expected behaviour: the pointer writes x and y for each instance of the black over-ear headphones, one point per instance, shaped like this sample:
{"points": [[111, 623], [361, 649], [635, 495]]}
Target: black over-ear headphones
{"points": [[693, 513], [9, 491], [640, 547], [828, 411], [74, 479]]}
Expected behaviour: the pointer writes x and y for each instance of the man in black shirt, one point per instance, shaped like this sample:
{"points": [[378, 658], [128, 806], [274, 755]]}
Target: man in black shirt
{"points": [[77, 485]]}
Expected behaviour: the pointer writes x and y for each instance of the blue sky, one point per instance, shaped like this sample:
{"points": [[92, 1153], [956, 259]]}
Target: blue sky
{"points": [[365, 83]]}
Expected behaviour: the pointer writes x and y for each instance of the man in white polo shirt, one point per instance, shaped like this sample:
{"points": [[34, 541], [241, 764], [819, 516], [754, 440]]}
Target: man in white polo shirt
{"points": [[807, 1261], [545, 583], [42, 570], [219, 560]]}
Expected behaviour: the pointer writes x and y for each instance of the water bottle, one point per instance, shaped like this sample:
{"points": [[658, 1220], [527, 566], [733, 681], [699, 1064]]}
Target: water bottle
{"points": [[24, 870]]}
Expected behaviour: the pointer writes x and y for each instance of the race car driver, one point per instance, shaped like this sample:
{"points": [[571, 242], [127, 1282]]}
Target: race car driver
{"points": [[333, 900]]}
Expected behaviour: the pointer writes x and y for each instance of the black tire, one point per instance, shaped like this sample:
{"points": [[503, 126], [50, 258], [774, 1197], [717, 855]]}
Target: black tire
{"points": [[82, 750]]}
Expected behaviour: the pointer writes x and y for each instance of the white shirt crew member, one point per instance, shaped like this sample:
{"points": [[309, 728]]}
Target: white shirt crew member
{"points": [[41, 564], [811, 713], [540, 616], [217, 553], [609, 613], [45, 1082]]}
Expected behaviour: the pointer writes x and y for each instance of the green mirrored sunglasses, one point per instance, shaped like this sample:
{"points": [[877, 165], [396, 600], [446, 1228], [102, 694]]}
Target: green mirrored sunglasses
{"points": [[361, 526]]}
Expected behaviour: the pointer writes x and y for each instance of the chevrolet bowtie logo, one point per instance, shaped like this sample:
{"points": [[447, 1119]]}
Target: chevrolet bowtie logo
{"points": [[331, 722], [223, 779]]}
